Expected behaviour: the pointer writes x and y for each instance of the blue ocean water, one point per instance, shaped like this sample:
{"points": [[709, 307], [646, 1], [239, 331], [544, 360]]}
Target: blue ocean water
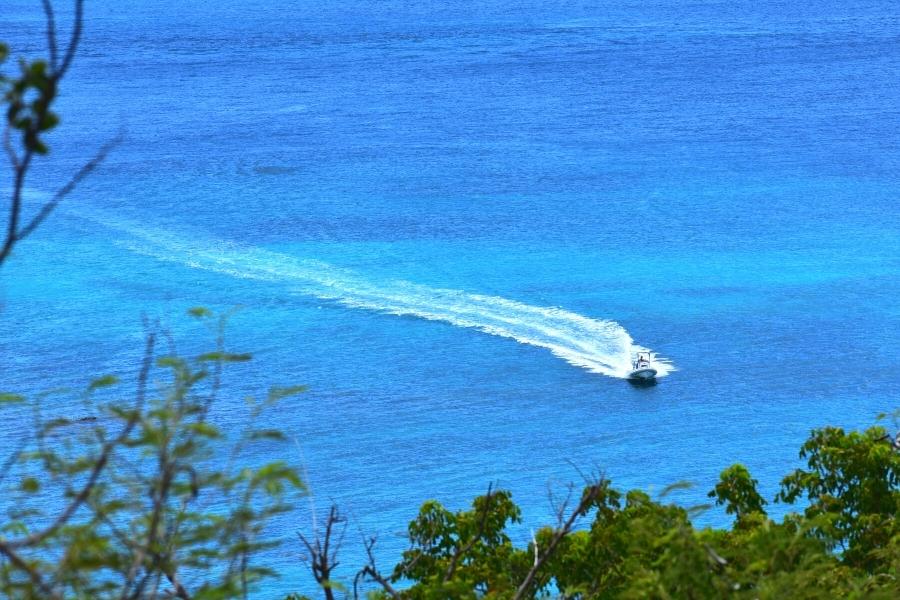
{"points": [[452, 222]]}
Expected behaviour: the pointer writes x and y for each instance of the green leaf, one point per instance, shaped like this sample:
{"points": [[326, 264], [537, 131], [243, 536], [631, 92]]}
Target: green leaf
{"points": [[56, 423], [30, 485], [678, 485], [224, 357], [199, 312], [204, 429], [277, 393], [11, 398], [273, 475], [170, 361], [50, 121], [698, 509], [268, 434], [38, 68], [15, 528], [105, 381], [334, 585]]}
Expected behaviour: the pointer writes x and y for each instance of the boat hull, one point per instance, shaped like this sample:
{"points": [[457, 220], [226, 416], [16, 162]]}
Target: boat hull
{"points": [[643, 373]]}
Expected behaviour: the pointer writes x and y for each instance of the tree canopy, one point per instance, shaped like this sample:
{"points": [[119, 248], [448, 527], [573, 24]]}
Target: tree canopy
{"points": [[844, 542]]}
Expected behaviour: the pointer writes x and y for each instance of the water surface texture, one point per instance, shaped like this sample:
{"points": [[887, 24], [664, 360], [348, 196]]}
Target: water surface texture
{"points": [[455, 221]]}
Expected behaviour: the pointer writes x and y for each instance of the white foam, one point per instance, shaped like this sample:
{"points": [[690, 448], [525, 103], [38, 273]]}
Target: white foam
{"points": [[598, 345]]}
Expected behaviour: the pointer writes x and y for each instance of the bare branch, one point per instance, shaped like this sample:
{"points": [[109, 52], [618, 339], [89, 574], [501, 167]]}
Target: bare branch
{"points": [[51, 33], [15, 208], [73, 42], [323, 557], [139, 555], [8, 147], [171, 574], [560, 509], [64, 191], [587, 499], [157, 579], [217, 372], [371, 571]]}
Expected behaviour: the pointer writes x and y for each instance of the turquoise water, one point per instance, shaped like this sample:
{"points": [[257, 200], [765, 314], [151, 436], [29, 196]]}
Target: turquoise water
{"points": [[453, 222]]}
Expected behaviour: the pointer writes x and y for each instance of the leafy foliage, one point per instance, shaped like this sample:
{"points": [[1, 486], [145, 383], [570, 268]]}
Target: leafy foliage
{"points": [[737, 491], [852, 485], [463, 554], [27, 98], [632, 546], [146, 496]]}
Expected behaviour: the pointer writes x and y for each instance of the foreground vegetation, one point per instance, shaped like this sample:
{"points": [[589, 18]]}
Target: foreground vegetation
{"points": [[845, 542]]}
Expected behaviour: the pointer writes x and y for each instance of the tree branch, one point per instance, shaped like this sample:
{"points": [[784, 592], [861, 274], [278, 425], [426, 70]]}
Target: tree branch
{"points": [[9, 462], [32, 573], [587, 499], [16, 207], [100, 464], [451, 569], [323, 558], [73, 42], [8, 147], [371, 571], [64, 191], [35, 125], [51, 33], [178, 590]]}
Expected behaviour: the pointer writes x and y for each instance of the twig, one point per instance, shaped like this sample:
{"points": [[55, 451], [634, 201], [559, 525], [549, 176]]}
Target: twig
{"points": [[32, 131], [9, 462], [179, 590], [371, 571], [451, 569], [323, 557], [16, 207], [38, 537], [70, 185], [560, 509], [73, 42], [591, 494], [51, 33], [10, 151], [33, 575]]}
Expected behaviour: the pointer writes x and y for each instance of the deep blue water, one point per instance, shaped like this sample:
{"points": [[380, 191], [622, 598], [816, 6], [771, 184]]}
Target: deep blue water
{"points": [[720, 179]]}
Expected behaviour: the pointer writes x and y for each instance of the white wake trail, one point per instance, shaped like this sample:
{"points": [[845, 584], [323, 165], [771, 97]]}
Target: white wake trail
{"points": [[598, 345]]}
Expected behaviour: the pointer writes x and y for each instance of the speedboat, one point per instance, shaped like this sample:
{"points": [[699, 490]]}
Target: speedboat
{"points": [[641, 368]]}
